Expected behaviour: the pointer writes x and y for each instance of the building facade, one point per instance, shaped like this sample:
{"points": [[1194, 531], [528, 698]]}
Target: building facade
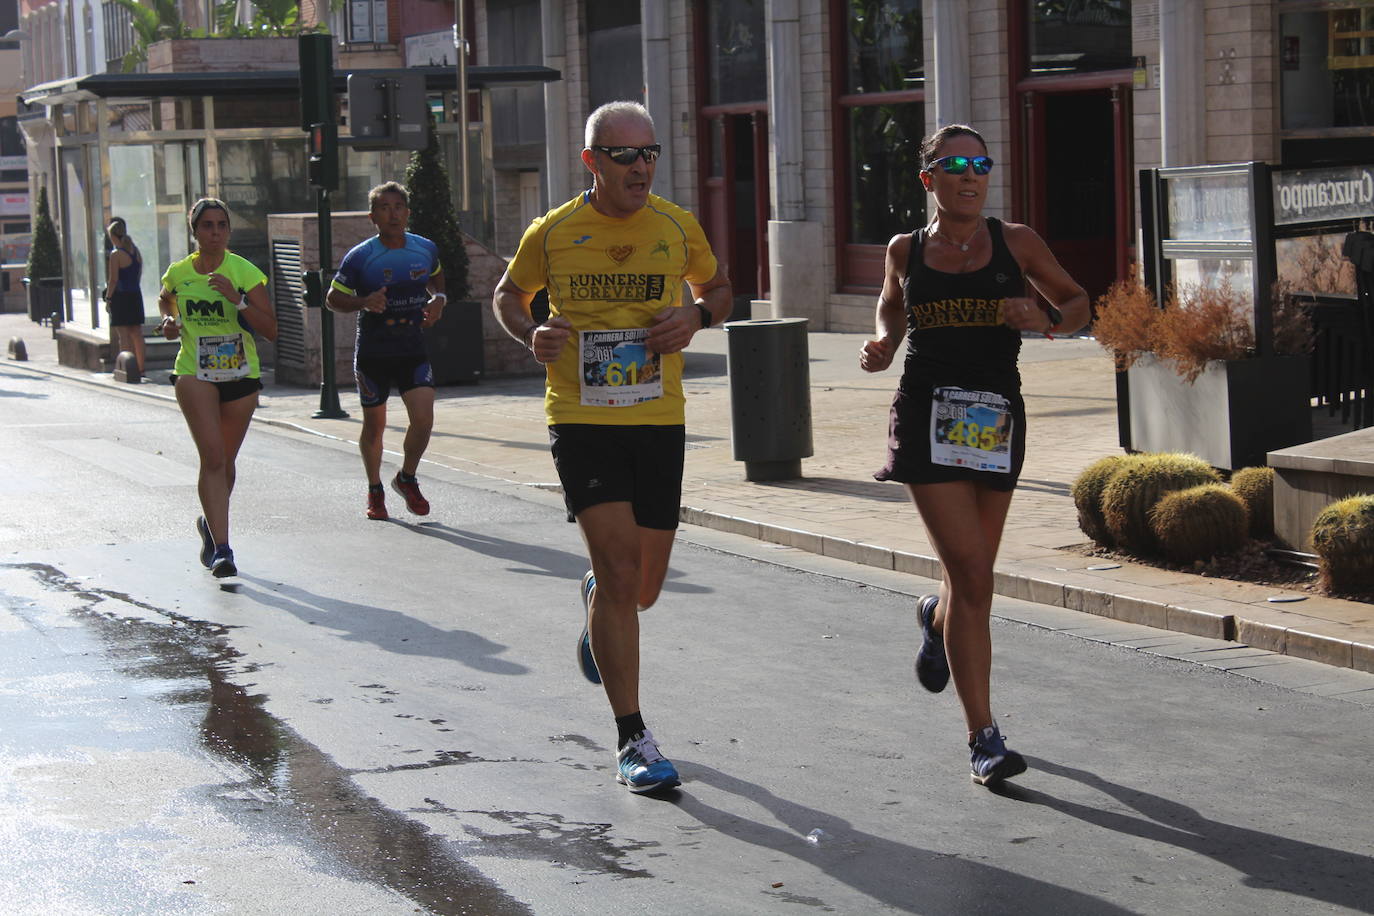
{"points": [[791, 127]]}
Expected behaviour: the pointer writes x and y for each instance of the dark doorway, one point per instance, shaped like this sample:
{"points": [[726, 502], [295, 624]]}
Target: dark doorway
{"points": [[1073, 184]]}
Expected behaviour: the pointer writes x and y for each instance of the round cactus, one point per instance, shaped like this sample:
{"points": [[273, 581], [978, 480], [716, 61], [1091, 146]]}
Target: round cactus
{"points": [[1087, 495], [1255, 487], [1343, 536], [1199, 522], [1134, 489]]}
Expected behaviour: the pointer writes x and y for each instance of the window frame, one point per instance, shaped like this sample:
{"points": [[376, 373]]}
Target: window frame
{"points": [[859, 267]]}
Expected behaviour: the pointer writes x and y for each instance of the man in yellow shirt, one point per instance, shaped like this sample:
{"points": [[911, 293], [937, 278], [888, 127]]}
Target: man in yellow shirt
{"points": [[614, 260]]}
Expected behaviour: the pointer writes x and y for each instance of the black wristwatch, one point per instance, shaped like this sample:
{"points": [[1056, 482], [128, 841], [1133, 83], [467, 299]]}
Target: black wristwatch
{"points": [[1056, 317], [706, 316]]}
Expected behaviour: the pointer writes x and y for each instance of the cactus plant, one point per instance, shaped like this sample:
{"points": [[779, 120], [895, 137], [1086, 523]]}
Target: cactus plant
{"points": [[1087, 495], [1133, 491], [1255, 487], [1199, 522], [1343, 536]]}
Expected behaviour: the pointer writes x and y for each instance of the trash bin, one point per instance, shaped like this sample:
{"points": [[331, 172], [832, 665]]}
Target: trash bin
{"points": [[45, 297], [454, 343], [770, 396]]}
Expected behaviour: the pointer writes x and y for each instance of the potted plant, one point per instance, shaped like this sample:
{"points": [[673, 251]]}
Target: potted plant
{"points": [[43, 275], [454, 343], [1191, 378]]}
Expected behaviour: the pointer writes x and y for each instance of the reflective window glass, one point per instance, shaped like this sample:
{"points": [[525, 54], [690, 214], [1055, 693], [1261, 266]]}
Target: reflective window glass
{"points": [[1326, 68], [737, 58], [887, 196], [1076, 36], [885, 45]]}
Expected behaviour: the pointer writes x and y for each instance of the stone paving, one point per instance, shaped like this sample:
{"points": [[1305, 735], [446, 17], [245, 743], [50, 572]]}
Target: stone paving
{"points": [[496, 429]]}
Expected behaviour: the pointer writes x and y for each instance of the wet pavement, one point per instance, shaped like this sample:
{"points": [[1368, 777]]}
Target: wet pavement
{"points": [[387, 717]]}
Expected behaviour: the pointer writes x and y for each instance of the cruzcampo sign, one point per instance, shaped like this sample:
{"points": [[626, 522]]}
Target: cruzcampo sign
{"points": [[1315, 195]]}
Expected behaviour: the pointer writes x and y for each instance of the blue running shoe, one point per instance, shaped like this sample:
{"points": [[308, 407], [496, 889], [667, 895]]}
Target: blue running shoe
{"points": [[222, 565], [207, 541], [641, 768], [584, 643], [992, 762], [932, 668]]}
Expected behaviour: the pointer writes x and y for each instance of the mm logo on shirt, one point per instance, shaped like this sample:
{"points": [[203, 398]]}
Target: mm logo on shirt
{"points": [[204, 307], [616, 287]]}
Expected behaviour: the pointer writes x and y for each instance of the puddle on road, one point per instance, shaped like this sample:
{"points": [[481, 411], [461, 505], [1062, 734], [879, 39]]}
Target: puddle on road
{"points": [[300, 791]]}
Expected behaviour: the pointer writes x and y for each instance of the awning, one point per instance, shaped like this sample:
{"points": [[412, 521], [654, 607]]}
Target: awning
{"points": [[266, 82]]}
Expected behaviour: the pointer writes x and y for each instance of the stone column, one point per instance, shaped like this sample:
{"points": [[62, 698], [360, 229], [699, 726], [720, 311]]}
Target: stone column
{"points": [[658, 88], [556, 158], [953, 103], [796, 281], [1182, 115]]}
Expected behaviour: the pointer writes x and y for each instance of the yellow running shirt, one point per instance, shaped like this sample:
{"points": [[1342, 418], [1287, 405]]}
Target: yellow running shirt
{"points": [[216, 343], [609, 277]]}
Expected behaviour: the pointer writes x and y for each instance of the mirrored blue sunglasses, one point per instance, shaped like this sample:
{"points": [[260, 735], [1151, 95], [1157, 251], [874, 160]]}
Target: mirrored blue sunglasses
{"points": [[957, 165]]}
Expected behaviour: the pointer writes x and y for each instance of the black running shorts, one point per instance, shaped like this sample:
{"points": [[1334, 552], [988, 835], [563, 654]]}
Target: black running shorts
{"points": [[376, 375], [641, 465]]}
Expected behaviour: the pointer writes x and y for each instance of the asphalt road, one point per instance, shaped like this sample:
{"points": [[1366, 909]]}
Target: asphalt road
{"points": [[387, 718]]}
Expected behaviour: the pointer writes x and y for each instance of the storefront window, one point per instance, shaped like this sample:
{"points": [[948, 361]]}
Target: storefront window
{"points": [[615, 58], [885, 144], [149, 189], [737, 58], [885, 45], [883, 103], [258, 177], [1326, 68], [1078, 37]]}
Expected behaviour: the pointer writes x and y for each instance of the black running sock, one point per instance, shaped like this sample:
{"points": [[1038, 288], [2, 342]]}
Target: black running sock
{"points": [[375, 488], [628, 726], [404, 477]]}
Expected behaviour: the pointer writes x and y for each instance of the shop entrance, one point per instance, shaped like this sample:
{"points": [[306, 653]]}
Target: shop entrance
{"points": [[735, 207], [1077, 183]]}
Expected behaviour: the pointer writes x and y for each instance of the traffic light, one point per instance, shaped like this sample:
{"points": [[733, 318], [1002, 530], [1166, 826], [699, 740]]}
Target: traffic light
{"points": [[317, 79], [322, 168]]}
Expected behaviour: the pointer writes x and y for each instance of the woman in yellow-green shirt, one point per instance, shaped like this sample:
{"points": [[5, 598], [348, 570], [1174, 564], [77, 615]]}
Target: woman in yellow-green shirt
{"points": [[215, 301]]}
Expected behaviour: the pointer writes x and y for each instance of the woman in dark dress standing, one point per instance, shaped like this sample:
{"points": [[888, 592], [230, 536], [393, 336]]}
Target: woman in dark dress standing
{"points": [[124, 290], [957, 290]]}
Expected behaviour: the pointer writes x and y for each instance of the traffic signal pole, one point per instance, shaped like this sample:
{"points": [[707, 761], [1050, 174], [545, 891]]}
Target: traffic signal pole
{"points": [[322, 170]]}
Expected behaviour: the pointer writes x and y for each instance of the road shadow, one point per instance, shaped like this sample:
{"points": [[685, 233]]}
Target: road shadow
{"points": [[891, 872], [390, 631], [538, 561], [1264, 860]]}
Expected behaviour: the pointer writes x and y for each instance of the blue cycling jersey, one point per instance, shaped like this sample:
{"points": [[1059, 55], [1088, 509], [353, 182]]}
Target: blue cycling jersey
{"points": [[405, 273]]}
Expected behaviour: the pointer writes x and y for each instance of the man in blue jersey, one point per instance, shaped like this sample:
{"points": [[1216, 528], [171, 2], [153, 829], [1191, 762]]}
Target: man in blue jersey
{"points": [[393, 281]]}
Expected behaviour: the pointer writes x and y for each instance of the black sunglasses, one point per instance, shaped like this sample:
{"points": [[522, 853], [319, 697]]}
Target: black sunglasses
{"points": [[958, 165], [626, 155]]}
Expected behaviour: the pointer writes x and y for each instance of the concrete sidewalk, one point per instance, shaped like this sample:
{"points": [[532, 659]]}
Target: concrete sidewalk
{"points": [[496, 429]]}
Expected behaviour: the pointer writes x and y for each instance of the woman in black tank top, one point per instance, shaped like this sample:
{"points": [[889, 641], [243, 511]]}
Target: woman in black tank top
{"points": [[957, 291]]}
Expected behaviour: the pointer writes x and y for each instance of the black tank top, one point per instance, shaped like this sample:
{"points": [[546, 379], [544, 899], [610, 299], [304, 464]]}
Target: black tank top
{"points": [[956, 333]]}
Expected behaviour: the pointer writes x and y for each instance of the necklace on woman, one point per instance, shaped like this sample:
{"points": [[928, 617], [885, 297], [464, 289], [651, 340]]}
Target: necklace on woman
{"points": [[962, 246]]}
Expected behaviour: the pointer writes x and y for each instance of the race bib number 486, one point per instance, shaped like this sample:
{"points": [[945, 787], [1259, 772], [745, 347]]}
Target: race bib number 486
{"points": [[617, 368], [971, 429]]}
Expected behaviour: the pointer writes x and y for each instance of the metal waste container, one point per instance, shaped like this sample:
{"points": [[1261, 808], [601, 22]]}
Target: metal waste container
{"points": [[770, 396]]}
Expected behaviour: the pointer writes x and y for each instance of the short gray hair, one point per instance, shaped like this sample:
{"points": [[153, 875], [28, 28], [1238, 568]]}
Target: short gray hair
{"points": [[612, 111], [390, 187]]}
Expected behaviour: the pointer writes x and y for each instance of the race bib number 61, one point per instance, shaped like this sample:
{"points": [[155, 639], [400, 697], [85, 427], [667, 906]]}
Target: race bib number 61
{"points": [[971, 429], [617, 368]]}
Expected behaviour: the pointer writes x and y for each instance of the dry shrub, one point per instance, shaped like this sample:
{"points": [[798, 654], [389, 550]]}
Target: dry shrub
{"points": [[1204, 323], [1126, 317]]}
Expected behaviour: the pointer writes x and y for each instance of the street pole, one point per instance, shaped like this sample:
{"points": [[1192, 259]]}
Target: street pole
{"points": [[322, 171], [329, 389], [460, 42]]}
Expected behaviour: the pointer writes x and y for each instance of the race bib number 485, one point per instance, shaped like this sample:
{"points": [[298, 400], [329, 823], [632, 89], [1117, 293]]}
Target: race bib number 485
{"points": [[617, 368], [971, 429]]}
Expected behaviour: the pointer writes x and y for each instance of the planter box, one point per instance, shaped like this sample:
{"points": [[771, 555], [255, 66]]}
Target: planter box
{"points": [[1231, 416]]}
